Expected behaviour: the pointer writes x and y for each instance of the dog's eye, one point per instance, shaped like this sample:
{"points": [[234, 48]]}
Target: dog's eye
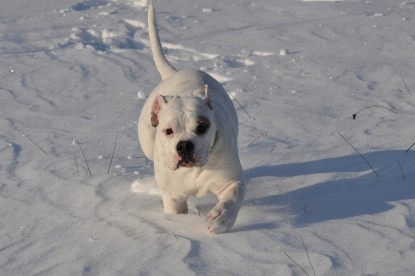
{"points": [[168, 131], [202, 127]]}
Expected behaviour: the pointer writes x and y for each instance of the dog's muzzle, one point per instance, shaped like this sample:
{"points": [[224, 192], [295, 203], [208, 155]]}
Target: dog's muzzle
{"points": [[186, 151]]}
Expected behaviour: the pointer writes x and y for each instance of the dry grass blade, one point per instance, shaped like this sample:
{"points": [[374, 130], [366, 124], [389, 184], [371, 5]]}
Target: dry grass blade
{"points": [[308, 256], [84, 158], [113, 151], [241, 106], [259, 136], [406, 86], [76, 163], [372, 106], [34, 143], [410, 147], [361, 156], [296, 264], [403, 175]]}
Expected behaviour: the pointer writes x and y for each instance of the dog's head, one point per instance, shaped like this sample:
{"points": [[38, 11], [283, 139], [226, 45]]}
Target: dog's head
{"points": [[186, 128]]}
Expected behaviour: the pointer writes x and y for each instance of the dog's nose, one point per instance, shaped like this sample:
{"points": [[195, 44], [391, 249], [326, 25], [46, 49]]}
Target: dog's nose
{"points": [[185, 148]]}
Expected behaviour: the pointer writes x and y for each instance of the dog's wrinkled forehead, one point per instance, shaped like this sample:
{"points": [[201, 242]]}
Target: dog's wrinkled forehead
{"points": [[194, 101], [182, 108], [185, 110], [186, 104]]}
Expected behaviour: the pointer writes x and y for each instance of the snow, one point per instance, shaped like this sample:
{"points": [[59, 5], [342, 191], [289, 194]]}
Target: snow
{"points": [[284, 52], [74, 74]]}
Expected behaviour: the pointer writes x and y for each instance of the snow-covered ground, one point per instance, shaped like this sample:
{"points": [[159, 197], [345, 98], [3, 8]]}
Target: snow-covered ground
{"points": [[74, 75]]}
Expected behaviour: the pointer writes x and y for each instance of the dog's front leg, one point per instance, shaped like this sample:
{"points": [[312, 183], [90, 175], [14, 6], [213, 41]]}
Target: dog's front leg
{"points": [[174, 205], [221, 218]]}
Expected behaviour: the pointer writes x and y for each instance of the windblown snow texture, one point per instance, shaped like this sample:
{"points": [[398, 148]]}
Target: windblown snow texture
{"points": [[73, 74]]}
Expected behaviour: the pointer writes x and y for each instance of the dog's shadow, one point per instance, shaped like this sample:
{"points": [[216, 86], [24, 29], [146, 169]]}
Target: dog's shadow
{"points": [[343, 195]]}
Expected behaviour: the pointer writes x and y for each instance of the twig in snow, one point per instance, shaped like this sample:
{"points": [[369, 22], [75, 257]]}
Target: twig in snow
{"points": [[259, 136], [308, 256], [113, 151], [84, 158], [372, 106], [296, 264], [403, 175], [410, 147], [198, 210], [409, 91], [364, 159], [233, 97], [34, 143]]}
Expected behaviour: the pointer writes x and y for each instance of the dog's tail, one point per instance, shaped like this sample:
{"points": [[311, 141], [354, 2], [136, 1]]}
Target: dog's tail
{"points": [[163, 66]]}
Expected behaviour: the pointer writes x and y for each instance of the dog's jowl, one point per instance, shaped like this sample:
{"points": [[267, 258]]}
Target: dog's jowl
{"points": [[189, 128]]}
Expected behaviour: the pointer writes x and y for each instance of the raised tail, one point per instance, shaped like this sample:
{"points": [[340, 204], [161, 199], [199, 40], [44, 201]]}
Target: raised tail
{"points": [[163, 66]]}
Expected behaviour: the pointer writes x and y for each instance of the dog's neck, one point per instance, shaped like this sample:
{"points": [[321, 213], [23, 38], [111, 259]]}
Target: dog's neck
{"points": [[215, 140]]}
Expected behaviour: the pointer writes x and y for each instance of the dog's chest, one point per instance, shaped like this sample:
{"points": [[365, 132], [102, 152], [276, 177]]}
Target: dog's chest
{"points": [[184, 181]]}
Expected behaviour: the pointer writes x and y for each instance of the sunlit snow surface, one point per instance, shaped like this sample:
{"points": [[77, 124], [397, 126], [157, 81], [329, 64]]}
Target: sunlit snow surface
{"points": [[74, 74]]}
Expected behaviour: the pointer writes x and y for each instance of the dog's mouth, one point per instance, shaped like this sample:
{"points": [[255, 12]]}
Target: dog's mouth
{"points": [[187, 164], [181, 162]]}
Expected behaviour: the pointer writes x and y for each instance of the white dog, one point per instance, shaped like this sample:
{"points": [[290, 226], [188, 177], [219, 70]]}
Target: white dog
{"points": [[188, 127]]}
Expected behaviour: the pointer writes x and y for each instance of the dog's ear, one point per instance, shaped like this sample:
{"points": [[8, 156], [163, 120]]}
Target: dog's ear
{"points": [[206, 95], [158, 103], [154, 119]]}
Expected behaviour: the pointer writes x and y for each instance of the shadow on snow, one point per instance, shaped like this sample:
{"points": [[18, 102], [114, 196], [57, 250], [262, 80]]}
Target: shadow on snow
{"points": [[343, 196]]}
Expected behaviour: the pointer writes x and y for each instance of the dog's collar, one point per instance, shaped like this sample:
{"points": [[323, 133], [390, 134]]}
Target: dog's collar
{"points": [[215, 140]]}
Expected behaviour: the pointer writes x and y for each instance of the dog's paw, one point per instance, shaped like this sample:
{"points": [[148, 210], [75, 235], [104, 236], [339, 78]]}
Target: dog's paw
{"points": [[221, 218]]}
